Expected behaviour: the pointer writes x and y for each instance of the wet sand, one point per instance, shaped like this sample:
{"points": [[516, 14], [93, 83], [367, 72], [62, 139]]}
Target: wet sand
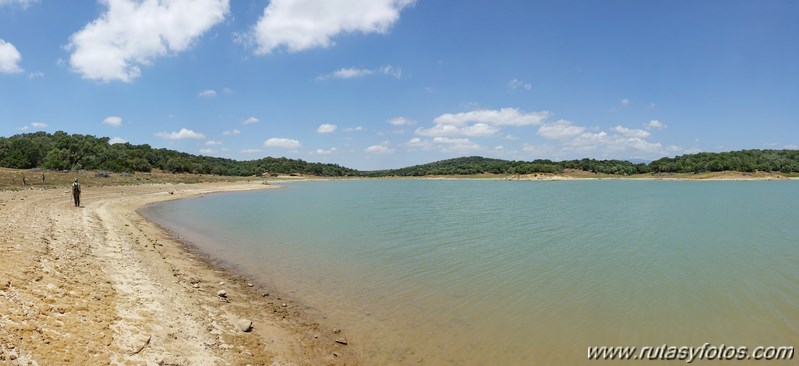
{"points": [[100, 285]]}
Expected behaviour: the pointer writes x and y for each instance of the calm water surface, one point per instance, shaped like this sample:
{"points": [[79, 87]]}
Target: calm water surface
{"points": [[517, 273]]}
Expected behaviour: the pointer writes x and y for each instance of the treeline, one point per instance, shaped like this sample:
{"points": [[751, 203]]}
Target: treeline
{"points": [[784, 161], [62, 151], [479, 165]]}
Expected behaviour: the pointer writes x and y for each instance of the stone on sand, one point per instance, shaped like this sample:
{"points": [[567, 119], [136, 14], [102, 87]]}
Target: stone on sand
{"points": [[245, 325]]}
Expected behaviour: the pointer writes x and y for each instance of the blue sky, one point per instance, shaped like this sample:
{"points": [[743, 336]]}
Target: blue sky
{"points": [[375, 84]]}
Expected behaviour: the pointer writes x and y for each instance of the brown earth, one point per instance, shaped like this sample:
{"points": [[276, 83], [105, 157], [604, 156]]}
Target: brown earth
{"points": [[100, 285]]}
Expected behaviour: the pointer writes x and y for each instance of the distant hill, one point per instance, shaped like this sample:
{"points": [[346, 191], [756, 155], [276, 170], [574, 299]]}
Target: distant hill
{"points": [[62, 151]]}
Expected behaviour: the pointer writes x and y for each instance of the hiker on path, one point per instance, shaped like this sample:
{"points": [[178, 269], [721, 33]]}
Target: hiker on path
{"points": [[76, 192]]}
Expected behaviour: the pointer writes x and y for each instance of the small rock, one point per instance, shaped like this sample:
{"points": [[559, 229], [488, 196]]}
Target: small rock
{"points": [[245, 325], [284, 305], [265, 294], [342, 341], [336, 330], [249, 285], [196, 285], [336, 354], [221, 283], [221, 293]]}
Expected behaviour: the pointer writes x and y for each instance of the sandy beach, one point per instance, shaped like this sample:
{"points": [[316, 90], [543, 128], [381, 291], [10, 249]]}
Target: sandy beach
{"points": [[100, 285]]}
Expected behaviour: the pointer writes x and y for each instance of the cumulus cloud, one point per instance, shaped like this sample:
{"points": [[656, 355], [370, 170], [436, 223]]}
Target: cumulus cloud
{"points": [[354, 72], [113, 121], [213, 143], [631, 132], [326, 152], [516, 84], [250, 151], [559, 130], [117, 140], [132, 33], [383, 148], [326, 128], [476, 130], [354, 129], [456, 144], [232, 132], [282, 142], [298, 25], [38, 125], [9, 58], [401, 121], [35, 75], [250, 121], [180, 135], [210, 93], [498, 117], [655, 124]]}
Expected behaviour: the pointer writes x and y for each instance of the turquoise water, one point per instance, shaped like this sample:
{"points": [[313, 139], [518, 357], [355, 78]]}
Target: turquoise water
{"points": [[517, 273]]}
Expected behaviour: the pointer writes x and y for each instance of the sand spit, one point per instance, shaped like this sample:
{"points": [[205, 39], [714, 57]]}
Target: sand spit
{"points": [[100, 285]]}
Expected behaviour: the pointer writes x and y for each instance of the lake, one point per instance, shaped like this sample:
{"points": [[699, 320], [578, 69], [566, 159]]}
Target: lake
{"points": [[467, 272]]}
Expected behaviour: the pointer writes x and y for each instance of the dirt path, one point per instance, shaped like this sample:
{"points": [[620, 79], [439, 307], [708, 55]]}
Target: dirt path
{"points": [[101, 285]]}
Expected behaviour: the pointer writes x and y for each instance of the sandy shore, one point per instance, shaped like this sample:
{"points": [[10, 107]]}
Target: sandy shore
{"points": [[100, 285]]}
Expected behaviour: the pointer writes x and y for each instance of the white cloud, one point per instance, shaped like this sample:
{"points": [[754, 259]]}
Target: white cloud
{"points": [[499, 147], [326, 152], [23, 3], [559, 130], [791, 147], [132, 33], [476, 130], [456, 144], [383, 148], [655, 124], [213, 143], [113, 121], [326, 128], [354, 129], [207, 151], [354, 72], [232, 132], [9, 58], [631, 132], [282, 142], [517, 84], [417, 143], [401, 121], [250, 121], [624, 102], [250, 151], [210, 93], [35, 75], [23, 128], [39, 125], [117, 140], [299, 25], [180, 135], [498, 117]]}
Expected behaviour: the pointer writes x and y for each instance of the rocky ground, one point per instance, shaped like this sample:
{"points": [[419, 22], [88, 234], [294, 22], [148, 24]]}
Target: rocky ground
{"points": [[100, 285]]}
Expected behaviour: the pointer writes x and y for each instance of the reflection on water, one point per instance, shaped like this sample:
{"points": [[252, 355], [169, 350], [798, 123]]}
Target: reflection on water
{"points": [[517, 273]]}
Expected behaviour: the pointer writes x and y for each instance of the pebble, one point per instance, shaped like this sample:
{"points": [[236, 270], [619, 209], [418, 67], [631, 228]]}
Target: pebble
{"points": [[336, 330], [249, 285], [265, 294], [196, 285], [221, 283], [245, 325], [284, 305], [221, 293], [342, 341]]}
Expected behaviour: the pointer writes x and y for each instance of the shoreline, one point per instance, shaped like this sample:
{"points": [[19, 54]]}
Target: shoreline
{"points": [[101, 284]]}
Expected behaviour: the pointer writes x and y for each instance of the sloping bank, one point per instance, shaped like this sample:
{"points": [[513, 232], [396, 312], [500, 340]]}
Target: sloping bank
{"points": [[102, 285]]}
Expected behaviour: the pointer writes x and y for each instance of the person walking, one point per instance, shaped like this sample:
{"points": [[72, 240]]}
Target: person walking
{"points": [[76, 192]]}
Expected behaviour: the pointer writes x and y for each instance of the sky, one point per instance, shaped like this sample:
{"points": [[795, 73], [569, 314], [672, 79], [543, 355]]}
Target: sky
{"points": [[375, 84]]}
